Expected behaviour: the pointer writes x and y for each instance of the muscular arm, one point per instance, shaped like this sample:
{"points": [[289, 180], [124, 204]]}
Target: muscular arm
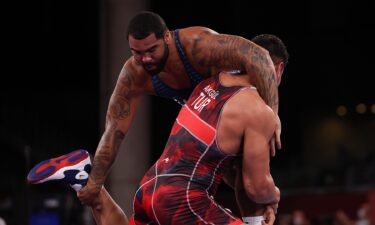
{"points": [[120, 114], [257, 180], [215, 52]]}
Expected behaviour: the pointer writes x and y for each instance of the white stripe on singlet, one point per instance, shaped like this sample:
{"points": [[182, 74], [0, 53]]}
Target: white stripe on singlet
{"points": [[212, 181], [188, 186], [145, 183], [153, 192]]}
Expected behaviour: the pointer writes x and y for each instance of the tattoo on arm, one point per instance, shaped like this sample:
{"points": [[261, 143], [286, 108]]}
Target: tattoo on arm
{"points": [[262, 66], [118, 110], [216, 53], [227, 52]]}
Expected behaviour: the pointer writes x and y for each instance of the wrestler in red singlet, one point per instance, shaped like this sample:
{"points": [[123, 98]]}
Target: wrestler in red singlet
{"points": [[178, 188]]}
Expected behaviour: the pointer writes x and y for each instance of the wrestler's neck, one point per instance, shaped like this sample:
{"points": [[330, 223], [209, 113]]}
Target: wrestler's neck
{"points": [[230, 79]]}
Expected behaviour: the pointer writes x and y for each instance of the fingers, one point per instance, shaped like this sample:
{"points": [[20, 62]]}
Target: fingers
{"points": [[90, 193], [269, 220], [269, 216], [82, 196], [86, 196], [278, 132], [278, 138], [272, 145]]}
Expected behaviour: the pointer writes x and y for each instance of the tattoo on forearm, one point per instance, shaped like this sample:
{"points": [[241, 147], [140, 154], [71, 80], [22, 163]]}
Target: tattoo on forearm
{"points": [[119, 136], [101, 161], [119, 109], [112, 139], [231, 52]]}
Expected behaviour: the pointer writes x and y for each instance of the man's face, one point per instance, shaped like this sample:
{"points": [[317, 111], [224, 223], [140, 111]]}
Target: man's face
{"points": [[150, 52]]}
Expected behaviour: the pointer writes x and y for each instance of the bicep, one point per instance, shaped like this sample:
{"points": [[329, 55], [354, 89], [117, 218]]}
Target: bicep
{"points": [[256, 152], [217, 52], [227, 51], [255, 164]]}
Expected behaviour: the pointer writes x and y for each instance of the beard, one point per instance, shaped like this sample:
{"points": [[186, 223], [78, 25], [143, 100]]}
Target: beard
{"points": [[149, 67]]}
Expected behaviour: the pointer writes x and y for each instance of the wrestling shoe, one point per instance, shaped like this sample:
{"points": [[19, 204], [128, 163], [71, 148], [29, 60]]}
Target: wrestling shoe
{"points": [[72, 168]]}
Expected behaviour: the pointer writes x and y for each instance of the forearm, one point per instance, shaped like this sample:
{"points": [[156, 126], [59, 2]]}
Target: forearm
{"points": [[120, 115], [105, 156], [261, 71], [267, 88], [265, 193], [247, 206], [234, 52]]}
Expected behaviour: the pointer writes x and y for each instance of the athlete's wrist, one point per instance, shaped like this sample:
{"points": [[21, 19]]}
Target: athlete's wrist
{"points": [[253, 220], [95, 184]]}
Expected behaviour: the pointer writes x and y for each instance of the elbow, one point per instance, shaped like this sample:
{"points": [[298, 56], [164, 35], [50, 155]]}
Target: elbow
{"points": [[262, 193], [263, 53], [255, 194], [266, 60]]}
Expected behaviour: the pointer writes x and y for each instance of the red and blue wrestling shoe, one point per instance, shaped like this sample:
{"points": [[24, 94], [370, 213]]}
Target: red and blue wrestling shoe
{"points": [[72, 168]]}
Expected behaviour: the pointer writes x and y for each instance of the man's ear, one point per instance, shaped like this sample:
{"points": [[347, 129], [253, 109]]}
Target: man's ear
{"points": [[279, 68], [167, 37]]}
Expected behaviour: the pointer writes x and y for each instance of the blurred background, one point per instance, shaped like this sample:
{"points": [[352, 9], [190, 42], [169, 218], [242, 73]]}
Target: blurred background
{"points": [[61, 61]]}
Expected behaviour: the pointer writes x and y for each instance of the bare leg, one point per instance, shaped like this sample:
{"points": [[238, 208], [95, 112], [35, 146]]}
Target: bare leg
{"points": [[107, 212]]}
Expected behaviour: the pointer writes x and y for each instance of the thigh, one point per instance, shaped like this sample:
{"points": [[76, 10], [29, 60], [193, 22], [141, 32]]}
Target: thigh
{"points": [[181, 206]]}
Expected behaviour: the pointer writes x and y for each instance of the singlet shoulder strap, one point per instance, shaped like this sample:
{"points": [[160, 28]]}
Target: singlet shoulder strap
{"points": [[194, 76], [163, 90]]}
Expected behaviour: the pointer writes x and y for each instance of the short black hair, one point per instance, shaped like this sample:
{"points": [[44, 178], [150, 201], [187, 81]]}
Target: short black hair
{"points": [[145, 23], [274, 45]]}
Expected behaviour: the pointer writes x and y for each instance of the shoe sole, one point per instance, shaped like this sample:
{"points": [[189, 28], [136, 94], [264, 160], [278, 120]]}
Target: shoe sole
{"points": [[53, 169]]}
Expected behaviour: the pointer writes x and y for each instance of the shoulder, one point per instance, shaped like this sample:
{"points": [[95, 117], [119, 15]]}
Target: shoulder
{"points": [[196, 31], [195, 34], [134, 73], [253, 112]]}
